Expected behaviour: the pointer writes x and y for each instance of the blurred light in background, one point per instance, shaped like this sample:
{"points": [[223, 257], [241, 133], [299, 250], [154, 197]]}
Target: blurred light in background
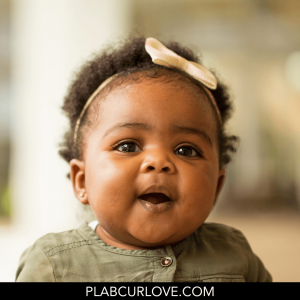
{"points": [[292, 68], [5, 203], [253, 45]]}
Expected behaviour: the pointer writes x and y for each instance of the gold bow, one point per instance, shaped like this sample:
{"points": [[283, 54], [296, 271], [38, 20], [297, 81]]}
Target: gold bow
{"points": [[163, 56]]}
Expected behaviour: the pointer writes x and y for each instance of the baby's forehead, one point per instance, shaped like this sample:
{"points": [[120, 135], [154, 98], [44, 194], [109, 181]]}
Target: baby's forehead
{"points": [[163, 81], [153, 95]]}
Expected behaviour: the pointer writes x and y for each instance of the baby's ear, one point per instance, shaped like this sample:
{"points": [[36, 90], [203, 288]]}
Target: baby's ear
{"points": [[77, 175], [221, 180]]}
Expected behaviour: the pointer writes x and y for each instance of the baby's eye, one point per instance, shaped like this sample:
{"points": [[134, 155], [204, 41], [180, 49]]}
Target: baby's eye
{"points": [[129, 147], [186, 151]]}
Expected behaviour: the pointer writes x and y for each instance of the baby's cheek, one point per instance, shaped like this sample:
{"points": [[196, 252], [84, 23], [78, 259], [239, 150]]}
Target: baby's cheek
{"points": [[198, 191], [110, 181], [193, 177]]}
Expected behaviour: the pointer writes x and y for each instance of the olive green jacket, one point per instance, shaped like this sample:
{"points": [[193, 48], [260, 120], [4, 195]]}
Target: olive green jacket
{"points": [[214, 252]]}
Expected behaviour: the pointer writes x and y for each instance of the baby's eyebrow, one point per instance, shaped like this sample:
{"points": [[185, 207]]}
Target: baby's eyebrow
{"points": [[193, 130], [143, 126], [148, 127]]}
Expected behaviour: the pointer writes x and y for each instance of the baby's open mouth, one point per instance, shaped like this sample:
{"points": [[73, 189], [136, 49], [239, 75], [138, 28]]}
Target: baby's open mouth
{"points": [[155, 198]]}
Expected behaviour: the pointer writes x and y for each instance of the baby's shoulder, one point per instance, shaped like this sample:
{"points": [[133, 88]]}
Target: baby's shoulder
{"points": [[213, 242], [39, 261], [218, 230], [222, 234], [52, 243]]}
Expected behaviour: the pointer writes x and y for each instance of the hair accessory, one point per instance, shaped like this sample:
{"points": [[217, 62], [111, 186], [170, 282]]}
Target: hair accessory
{"points": [[101, 86], [161, 55]]}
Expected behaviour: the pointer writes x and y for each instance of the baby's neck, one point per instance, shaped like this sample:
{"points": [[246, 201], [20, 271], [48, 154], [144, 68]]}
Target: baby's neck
{"points": [[109, 240]]}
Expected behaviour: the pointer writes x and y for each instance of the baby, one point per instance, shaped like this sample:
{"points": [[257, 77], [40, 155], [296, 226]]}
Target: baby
{"points": [[147, 150]]}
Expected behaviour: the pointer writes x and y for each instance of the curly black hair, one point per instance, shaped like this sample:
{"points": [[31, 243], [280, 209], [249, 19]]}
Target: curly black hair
{"points": [[128, 60]]}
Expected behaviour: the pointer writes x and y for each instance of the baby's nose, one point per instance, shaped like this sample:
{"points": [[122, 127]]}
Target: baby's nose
{"points": [[159, 161]]}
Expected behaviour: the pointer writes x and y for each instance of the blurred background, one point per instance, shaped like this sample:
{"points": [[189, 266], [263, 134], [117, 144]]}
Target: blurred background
{"points": [[253, 45]]}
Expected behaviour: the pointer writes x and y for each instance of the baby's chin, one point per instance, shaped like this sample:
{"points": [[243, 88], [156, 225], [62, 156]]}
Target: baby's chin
{"points": [[132, 240], [146, 243], [159, 239], [148, 235]]}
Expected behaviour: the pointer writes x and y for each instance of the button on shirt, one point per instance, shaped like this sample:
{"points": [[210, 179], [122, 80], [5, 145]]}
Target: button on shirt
{"points": [[214, 252], [166, 261]]}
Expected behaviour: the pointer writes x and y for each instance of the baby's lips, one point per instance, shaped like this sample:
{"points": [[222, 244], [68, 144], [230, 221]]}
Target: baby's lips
{"points": [[155, 198], [157, 189]]}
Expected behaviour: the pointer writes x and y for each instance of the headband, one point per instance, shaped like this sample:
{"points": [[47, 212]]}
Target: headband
{"points": [[161, 55]]}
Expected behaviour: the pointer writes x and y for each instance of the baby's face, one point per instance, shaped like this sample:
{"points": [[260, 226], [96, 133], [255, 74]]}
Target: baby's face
{"points": [[150, 169]]}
